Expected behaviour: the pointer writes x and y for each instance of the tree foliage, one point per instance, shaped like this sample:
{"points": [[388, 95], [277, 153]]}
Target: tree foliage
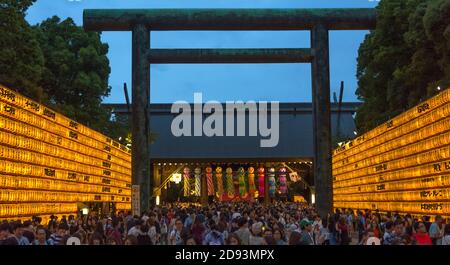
{"points": [[59, 64], [76, 71], [403, 60], [21, 59]]}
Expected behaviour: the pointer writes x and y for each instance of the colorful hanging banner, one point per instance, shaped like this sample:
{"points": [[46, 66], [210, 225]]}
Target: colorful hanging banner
{"points": [[186, 182], [198, 181], [242, 186], [230, 187], [271, 182], [209, 181], [261, 182], [251, 181], [219, 182], [283, 181]]}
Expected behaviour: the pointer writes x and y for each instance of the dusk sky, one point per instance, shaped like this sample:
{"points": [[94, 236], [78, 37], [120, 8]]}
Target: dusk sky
{"points": [[169, 83]]}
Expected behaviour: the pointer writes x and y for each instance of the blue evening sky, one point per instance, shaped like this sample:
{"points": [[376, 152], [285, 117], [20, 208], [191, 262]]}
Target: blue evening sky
{"points": [[282, 82]]}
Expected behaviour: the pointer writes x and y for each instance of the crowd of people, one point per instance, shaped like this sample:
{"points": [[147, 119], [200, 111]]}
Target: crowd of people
{"points": [[280, 223]]}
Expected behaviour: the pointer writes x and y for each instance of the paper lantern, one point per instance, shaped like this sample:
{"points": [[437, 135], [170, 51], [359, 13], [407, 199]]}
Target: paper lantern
{"points": [[400, 166], [50, 159]]}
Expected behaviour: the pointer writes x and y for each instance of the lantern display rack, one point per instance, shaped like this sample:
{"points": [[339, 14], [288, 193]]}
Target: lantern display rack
{"points": [[428, 208], [28, 209], [40, 183], [24, 103], [371, 158], [407, 116], [400, 166], [428, 182], [43, 124], [420, 171], [415, 195], [436, 155], [34, 155], [433, 132], [27, 157], [49, 163]]}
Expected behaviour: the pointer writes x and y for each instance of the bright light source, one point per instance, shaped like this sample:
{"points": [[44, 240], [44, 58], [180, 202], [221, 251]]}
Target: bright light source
{"points": [[176, 178], [355, 132], [313, 198], [340, 144], [438, 88], [157, 200], [85, 211]]}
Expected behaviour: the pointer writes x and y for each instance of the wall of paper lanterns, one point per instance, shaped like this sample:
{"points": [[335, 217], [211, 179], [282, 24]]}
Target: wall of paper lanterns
{"points": [[402, 165], [48, 162]]}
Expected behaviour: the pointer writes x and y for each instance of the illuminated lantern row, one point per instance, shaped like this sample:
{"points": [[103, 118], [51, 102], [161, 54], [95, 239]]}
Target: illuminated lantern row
{"points": [[402, 165], [408, 116], [415, 145], [29, 209], [436, 130], [34, 109], [59, 132], [261, 182], [49, 163], [219, 182], [19, 134]]}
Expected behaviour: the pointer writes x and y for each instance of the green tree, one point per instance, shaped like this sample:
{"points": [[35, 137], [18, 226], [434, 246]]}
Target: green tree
{"points": [[21, 59], [403, 60], [76, 71]]}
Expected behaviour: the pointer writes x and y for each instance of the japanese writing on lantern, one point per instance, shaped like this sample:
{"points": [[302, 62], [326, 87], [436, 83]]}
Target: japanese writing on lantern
{"points": [[72, 176], [389, 124], [73, 124], [431, 194], [423, 107], [9, 109], [49, 113], [381, 187], [427, 180], [73, 135], [32, 105], [440, 166], [381, 167], [49, 172], [4, 93], [431, 206]]}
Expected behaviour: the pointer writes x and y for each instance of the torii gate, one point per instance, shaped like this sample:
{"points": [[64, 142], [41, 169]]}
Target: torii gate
{"points": [[318, 21]]}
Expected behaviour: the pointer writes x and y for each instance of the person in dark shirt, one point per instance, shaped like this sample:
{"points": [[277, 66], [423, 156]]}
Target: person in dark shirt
{"points": [[28, 231], [6, 238]]}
